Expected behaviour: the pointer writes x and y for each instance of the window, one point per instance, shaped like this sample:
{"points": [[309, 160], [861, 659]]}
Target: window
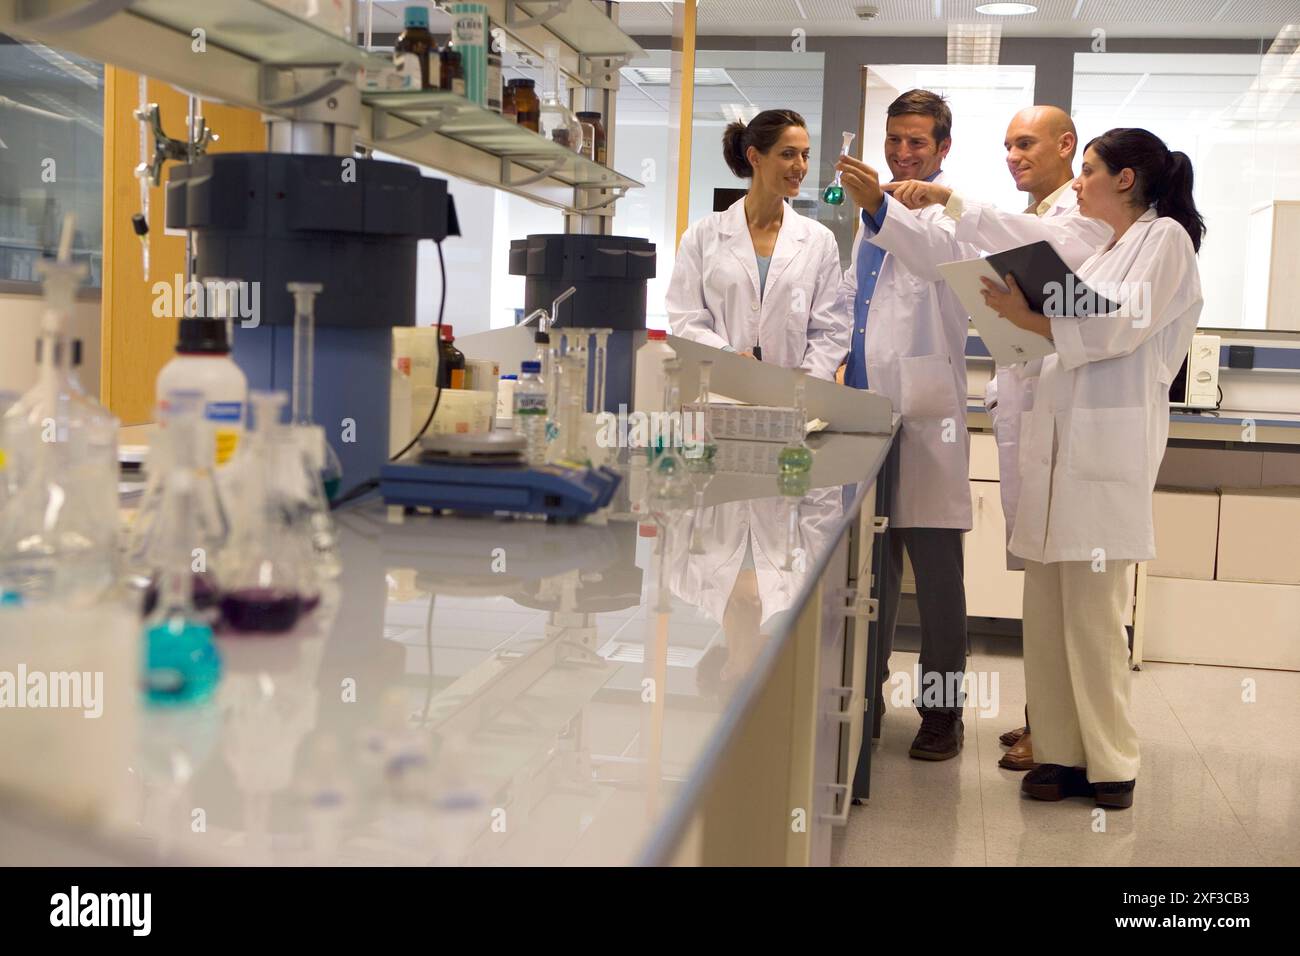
{"points": [[1238, 117], [51, 157]]}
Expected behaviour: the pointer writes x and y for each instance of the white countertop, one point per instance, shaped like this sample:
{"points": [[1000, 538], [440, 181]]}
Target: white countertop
{"points": [[494, 692]]}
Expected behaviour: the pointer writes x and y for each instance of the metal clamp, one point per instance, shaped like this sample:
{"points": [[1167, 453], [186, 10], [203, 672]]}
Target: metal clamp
{"points": [[879, 524], [166, 147], [840, 817]]}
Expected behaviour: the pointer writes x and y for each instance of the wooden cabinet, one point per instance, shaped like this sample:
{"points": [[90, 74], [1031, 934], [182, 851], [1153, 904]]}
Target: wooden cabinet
{"points": [[991, 590]]}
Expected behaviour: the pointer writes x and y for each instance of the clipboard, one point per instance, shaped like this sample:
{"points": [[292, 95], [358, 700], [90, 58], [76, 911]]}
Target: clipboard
{"points": [[1047, 282], [1049, 287], [1007, 343]]}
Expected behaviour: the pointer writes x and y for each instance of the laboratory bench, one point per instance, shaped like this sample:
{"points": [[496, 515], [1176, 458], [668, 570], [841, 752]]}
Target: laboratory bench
{"points": [[682, 685], [1224, 588]]}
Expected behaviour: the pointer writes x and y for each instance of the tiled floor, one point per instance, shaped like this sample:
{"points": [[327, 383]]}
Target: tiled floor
{"points": [[1219, 785]]}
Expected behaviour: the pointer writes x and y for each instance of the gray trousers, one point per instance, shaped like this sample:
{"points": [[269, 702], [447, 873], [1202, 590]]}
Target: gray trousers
{"points": [[937, 561]]}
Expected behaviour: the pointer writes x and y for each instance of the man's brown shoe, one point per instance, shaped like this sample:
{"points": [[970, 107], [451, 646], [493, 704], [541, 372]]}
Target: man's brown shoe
{"points": [[1020, 756], [1011, 736]]}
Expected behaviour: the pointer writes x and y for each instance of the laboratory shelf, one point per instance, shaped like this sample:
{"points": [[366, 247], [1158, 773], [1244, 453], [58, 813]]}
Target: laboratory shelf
{"points": [[254, 29], [456, 118], [257, 30], [249, 42], [577, 22]]}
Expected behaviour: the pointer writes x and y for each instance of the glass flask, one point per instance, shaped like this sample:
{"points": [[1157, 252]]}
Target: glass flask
{"points": [[573, 384], [269, 579], [321, 470], [557, 122], [181, 664], [796, 457], [669, 478], [833, 194], [181, 453], [58, 526]]}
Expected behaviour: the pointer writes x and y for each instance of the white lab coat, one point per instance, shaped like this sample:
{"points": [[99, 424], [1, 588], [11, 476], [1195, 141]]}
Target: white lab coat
{"points": [[916, 357], [1091, 446], [707, 580], [1009, 393], [714, 298]]}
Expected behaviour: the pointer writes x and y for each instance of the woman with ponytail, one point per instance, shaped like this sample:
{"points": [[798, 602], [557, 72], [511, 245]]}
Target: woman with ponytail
{"points": [[1089, 452], [759, 278]]}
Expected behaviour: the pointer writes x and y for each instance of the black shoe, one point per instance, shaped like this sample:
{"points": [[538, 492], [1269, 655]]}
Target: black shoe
{"points": [[1118, 795], [940, 736], [1051, 781]]}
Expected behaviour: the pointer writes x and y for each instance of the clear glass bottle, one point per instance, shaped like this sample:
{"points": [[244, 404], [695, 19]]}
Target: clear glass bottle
{"points": [[557, 122], [317, 480], [530, 411], [181, 664], [181, 453], [58, 527], [669, 478], [270, 581]]}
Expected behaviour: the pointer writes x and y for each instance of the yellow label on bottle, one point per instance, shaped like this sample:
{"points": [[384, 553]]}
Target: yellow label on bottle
{"points": [[227, 440], [2, 459]]}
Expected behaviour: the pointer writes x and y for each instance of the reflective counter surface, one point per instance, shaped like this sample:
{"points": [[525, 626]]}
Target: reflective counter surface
{"points": [[482, 691]]}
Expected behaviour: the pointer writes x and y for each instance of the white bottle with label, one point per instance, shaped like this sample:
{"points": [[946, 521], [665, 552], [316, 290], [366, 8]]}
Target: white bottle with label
{"points": [[203, 368], [648, 392]]}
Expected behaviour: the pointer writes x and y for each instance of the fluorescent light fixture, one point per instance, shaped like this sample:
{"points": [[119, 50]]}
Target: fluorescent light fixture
{"points": [[1006, 9], [662, 75]]}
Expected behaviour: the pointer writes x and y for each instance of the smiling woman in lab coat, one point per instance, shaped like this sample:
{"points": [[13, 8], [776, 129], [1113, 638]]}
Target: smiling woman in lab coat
{"points": [[760, 273], [1090, 449]]}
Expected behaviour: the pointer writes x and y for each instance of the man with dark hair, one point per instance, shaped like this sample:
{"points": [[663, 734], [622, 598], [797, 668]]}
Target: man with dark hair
{"points": [[909, 343], [1041, 142]]}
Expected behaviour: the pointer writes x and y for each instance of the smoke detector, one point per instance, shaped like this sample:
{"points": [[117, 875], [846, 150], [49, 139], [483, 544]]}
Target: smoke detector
{"points": [[866, 11]]}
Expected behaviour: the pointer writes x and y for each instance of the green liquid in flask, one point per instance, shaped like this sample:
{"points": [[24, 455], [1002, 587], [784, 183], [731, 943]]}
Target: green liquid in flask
{"points": [[833, 195], [795, 459]]}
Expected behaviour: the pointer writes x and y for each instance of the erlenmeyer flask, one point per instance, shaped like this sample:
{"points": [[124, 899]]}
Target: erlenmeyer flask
{"points": [[268, 573], [795, 460], [669, 479], [320, 469], [58, 527], [181, 453], [556, 122], [181, 661]]}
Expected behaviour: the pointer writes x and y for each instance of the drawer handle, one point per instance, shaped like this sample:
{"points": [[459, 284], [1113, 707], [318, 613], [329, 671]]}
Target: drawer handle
{"points": [[839, 794], [842, 712], [856, 603]]}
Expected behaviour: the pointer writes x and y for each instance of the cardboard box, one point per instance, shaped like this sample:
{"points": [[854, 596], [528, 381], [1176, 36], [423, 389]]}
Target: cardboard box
{"points": [[1258, 538], [1187, 533]]}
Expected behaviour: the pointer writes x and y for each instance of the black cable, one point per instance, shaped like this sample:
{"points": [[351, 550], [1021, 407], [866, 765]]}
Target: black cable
{"points": [[371, 484], [437, 394]]}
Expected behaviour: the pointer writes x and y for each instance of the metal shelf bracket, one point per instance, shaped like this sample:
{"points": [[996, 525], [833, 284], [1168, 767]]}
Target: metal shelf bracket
{"points": [[517, 18]]}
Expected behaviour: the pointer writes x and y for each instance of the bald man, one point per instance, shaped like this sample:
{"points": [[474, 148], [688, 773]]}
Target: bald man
{"points": [[1041, 142]]}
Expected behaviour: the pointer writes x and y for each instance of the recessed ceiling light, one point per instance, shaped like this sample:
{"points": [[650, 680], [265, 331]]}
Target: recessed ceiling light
{"points": [[1006, 9]]}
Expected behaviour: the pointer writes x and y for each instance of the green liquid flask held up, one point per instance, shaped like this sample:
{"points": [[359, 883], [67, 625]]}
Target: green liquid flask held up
{"points": [[833, 195]]}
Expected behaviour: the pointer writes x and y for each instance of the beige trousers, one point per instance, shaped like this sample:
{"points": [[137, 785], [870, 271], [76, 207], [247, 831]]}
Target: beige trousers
{"points": [[1077, 668]]}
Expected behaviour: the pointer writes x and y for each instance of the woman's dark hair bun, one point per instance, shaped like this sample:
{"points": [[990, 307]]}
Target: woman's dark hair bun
{"points": [[732, 150], [762, 132]]}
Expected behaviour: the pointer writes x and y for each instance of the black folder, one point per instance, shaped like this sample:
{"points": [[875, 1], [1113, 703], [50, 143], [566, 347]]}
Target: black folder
{"points": [[1047, 281]]}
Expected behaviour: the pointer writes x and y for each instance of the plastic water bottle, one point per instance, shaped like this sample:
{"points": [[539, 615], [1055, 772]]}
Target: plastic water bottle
{"points": [[531, 411]]}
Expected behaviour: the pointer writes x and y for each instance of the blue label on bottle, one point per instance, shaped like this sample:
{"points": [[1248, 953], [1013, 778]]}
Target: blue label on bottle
{"points": [[224, 411]]}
